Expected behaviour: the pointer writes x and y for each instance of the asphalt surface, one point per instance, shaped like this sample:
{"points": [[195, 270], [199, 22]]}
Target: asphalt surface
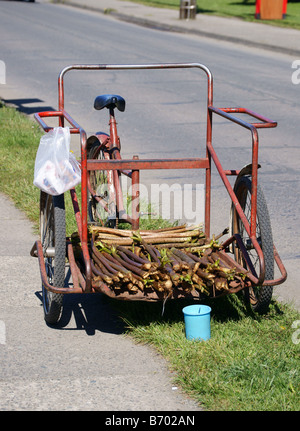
{"points": [[116, 381], [255, 34]]}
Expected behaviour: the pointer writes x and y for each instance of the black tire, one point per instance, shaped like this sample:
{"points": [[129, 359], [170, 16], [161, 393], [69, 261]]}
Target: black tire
{"points": [[53, 239], [259, 297], [98, 180]]}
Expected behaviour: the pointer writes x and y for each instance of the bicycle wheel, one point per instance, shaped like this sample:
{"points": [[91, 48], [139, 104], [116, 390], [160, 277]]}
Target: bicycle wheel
{"points": [[259, 297], [103, 212], [53, 239]]}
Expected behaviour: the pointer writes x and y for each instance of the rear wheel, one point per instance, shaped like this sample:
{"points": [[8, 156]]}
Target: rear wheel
{"points": [[100, 185], [259, 297], [53, 239]]}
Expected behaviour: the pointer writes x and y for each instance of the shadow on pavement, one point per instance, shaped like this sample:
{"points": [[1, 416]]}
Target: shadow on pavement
{"points": [[22, 105], [90, 312]]}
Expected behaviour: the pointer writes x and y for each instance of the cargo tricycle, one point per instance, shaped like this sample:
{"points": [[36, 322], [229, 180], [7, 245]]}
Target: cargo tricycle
{"points": [[153, 265]]}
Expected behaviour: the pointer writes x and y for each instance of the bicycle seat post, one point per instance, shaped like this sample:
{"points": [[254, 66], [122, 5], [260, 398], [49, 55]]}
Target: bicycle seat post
{"points": [[114, 140]]}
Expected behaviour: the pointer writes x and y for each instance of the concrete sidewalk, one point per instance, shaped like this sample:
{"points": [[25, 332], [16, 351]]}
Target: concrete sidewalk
{"points": [[234, 30], [86, 364]]}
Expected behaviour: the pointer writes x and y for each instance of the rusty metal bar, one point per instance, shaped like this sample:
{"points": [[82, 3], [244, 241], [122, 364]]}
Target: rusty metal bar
{"points": [[61, 115], [76, 126], [193, 163], [39, 115], [159, 66], [281, 268], [73, 267], [207, 207], [135, 202], [252, 229], [84, 210], [54, 289], [252, 277], [264, 122]]}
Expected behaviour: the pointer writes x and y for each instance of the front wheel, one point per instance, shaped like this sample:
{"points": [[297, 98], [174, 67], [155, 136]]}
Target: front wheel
{"points": [[53, 239], [259, 297]]}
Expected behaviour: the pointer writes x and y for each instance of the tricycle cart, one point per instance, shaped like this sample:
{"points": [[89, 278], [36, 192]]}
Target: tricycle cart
{"points": [[250, 238]]}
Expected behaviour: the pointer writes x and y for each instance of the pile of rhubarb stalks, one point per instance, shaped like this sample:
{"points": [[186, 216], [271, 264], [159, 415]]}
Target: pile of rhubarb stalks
{"points": [[161, 261]]}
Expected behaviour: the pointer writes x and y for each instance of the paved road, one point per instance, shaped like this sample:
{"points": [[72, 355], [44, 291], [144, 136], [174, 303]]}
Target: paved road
{"points": [[52, 366], [254, 34]]}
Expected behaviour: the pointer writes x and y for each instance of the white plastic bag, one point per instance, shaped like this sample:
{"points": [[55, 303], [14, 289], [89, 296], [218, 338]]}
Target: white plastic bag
{"points": [[56, 170]]}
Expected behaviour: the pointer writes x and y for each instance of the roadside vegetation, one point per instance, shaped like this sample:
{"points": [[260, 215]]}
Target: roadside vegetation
{"points": [[251, 362], [242, 9]]}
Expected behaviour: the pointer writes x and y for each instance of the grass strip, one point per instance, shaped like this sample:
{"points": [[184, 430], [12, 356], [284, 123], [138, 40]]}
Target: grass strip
{"points": [[19, 140], [242, 9]]}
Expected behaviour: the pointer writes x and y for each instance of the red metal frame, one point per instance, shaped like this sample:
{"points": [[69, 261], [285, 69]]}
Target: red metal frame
{"points": [[135, 165]]}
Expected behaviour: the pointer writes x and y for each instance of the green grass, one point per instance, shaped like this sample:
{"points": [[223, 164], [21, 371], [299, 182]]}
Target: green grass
{"points": [[250, 363], [243, 9], [19, 139]]}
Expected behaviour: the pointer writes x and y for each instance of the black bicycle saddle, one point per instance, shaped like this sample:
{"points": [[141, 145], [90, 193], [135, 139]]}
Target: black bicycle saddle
{"points": [[110, 101]]}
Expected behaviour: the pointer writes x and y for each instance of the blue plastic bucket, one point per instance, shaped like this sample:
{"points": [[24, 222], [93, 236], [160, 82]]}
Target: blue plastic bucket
{"points": [[197, 322]]}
